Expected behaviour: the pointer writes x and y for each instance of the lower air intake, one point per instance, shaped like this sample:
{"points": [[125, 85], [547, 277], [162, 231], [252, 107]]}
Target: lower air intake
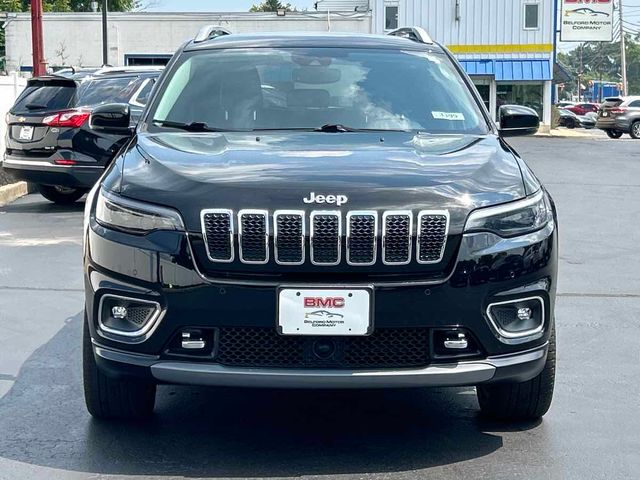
{"points": [[264, 347]]}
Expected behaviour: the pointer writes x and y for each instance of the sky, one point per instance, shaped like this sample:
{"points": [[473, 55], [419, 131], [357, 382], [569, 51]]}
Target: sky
{"points": [[631, 12], [244, 5], [215, 5]]}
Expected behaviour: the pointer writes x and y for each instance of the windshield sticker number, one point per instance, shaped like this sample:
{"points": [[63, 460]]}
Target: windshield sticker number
{"points": [[448, 116]]}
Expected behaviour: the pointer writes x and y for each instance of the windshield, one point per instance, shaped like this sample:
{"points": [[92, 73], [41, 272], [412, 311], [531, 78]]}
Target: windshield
{"points": [[308, 88], [44, 97]]}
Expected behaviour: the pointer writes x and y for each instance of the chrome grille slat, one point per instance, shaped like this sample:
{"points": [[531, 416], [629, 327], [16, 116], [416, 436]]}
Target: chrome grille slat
{"points": [[433, 228], [253, 236], [325, 233], [362, 234], [289, 237], [397, 237], [326, 237], [218, 231]]}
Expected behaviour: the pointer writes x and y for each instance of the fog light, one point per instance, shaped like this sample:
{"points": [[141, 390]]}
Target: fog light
{"points": [[125, 316], [524, 313], [518, 318], [119, 312]]}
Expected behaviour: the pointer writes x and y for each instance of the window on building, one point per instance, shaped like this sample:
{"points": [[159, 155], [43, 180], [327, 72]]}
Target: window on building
{"points": [[390, 16], [526, 94], [146, 60], [531, 16]]}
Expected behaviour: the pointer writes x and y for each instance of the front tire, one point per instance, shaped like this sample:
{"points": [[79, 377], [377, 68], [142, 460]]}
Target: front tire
{"points": [[61, 195], [110, 398], [519, 401], [634, 131], [615, 134]]}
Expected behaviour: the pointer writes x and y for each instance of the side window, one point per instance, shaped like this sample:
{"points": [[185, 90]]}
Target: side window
{"points": [[390, 15], [141, 97], [531, 16], [635, 104]]}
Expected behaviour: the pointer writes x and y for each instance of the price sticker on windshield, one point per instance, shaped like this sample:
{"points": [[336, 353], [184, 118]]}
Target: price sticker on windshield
{"points": [[448, 116]]}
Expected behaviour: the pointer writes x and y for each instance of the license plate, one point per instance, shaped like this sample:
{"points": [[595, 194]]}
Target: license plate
{"points": [[331, 311], [26, 133]]}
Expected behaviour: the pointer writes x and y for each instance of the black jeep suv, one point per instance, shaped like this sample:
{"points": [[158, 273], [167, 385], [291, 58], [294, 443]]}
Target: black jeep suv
{"points": [[49, 140], [319, 211]]}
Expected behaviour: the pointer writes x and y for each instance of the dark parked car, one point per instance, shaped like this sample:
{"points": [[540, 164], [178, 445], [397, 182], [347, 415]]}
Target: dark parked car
{"points": [[49, 140], [618, 116], [319, 211], [571, 120]]}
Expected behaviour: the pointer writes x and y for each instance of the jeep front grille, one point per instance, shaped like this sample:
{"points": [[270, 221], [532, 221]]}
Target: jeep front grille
{"points": [[217, 229], [397, 237], [289, 237], [253, 236], [325, 236], [362, 232], [432, 228]]}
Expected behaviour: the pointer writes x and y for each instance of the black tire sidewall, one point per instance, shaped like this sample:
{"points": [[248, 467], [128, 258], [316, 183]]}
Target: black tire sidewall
{"points": [[50, 193], [614, 134]]}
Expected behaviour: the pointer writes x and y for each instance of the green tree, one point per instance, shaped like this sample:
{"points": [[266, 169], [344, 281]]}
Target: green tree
{"points": [[60, 6], [601, 61], [271, 6], [69, 5]]}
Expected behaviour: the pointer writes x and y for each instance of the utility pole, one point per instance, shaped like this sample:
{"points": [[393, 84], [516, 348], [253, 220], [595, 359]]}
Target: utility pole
{"points": [[623, 52], [105, 36], [580, 73], [37, 40]]}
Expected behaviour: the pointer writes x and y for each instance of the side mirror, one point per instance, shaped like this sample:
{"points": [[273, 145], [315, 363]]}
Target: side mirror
{"points": [[111, 118], [516, 120]]}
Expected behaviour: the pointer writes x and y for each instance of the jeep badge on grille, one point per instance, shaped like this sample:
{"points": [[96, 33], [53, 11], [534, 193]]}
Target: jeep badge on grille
{"points": [[337, 199]]}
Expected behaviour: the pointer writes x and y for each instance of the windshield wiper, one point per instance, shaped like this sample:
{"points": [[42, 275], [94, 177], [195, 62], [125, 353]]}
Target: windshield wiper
{"points": [[35, 106], [339, 128], [189, 127], [334, 128]]}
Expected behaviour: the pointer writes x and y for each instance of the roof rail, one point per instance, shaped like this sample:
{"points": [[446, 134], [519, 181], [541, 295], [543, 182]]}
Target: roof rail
{"points": [[209, 32], [417, 34], [128, 69]]}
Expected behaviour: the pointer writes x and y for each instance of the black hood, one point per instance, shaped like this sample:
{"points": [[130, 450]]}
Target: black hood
{"points": [[399, 171]]}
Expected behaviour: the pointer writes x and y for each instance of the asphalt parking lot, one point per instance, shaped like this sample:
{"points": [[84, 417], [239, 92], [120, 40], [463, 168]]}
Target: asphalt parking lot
{"points": [[590, 432]]}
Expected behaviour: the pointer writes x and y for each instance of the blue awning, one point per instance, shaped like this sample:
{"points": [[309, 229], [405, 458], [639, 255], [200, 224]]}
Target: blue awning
{"points": [[510, 70], [478, 67]]}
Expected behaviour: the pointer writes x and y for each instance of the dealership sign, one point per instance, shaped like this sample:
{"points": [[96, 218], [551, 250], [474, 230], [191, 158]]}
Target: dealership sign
{"points": [[586, 21]]}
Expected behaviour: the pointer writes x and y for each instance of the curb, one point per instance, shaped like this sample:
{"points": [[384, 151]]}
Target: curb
{"points": [[11, 192], [563, 134]]}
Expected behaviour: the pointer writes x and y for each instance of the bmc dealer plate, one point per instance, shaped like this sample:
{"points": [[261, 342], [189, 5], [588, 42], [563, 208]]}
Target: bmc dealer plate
{"points": [[26, 133], [325, 311]]}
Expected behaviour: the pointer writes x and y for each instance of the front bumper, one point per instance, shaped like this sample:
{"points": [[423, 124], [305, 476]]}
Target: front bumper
{"points": [[517, 367], [46, 172], [160, 268]]}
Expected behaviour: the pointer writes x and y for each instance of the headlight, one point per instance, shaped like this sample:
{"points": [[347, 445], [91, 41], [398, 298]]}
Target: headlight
{"points": [[113, 211], [512, 219]]}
